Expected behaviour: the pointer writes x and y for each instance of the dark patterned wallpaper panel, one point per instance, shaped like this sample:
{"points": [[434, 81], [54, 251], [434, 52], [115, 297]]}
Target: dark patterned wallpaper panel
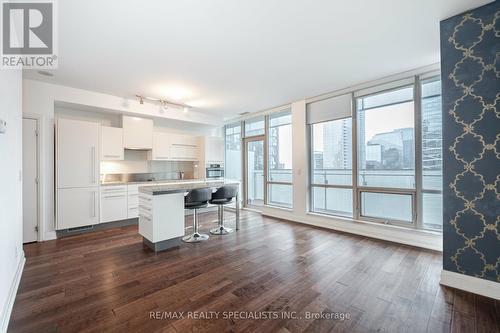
{"points": [[471, 142]]}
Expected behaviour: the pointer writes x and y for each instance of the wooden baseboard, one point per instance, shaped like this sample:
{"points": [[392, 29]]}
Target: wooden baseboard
{"points": [[5, 316], [471, 284]]}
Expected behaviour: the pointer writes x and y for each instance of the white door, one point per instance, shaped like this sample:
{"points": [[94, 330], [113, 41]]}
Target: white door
{"points": [[77, 153], [30, 181]]}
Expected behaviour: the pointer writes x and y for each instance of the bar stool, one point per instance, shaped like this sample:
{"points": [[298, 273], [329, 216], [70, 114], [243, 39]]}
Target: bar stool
{"points": [[196, 199], [223, 196]]}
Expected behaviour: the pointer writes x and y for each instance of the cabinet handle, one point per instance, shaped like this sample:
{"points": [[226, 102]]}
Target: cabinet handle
{"points": [[93, 204], [117, 156], [144, 207], [115, 196], [184, 145], [93, 165], [161, 158]]}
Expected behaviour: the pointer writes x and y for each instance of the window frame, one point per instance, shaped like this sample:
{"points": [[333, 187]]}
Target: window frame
{"points": [[312, 184], [245, 138], [268, 182], [357, 190]]}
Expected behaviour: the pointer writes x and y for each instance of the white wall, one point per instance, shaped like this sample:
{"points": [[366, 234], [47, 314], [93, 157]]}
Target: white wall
{"points": [[44, 99], [11, 224]]}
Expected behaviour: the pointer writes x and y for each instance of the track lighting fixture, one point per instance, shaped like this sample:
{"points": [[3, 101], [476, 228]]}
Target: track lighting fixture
{"points": [[164, 104]]}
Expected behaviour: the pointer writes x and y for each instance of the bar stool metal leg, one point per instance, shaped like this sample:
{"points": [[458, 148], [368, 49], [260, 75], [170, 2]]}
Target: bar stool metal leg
{"points": [[195, 236], [221, 229]]}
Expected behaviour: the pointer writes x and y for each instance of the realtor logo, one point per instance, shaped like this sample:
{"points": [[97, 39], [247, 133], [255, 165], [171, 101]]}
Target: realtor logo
{"points": [[28, 34]]}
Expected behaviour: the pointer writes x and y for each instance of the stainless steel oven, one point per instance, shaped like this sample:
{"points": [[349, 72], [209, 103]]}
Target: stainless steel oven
{"points": [[214, 171]]}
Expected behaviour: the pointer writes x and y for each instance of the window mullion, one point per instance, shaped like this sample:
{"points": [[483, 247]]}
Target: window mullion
{"points": [[418, 208]]}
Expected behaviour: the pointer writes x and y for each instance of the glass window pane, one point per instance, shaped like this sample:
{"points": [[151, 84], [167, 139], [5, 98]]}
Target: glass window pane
{"points": [[432, 216], [432, 138], [280, 195], [387, 98], [255, 173], [387, 206], [280, 148], [254, 126], [332, 152], [334, 201], [233, 152], [386, 144]]}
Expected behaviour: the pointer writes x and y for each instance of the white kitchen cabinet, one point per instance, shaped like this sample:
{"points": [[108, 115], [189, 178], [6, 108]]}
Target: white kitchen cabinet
{"points": [[111, 143], [114, 203], [77, 153], [77, 207], [214, 150], [184, 152], [137, 133], [133, 201], [161, 146], [184, 147]]}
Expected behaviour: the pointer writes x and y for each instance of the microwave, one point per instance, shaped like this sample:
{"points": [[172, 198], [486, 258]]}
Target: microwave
{"points": [[214, 171]]}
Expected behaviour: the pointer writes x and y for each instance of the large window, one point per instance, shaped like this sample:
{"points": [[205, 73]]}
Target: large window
{"points": [[279, 138], [386, 155], [394, 175], [332, 167]]}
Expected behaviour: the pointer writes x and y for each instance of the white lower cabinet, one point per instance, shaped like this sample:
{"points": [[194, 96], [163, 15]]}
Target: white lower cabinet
{"points": [[114, 204], [133, 201], [77, 207]]}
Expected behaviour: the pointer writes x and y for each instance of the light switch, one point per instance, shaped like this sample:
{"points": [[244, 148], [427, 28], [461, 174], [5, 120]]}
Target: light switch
{"points": [[3, 126]]}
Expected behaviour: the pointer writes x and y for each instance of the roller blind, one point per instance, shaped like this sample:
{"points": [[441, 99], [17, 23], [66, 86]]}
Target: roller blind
{"points": [[337, 107]]}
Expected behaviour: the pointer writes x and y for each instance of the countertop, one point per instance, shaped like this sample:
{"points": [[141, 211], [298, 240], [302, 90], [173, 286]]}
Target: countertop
{"points": [[159, 182], [179, 187]]}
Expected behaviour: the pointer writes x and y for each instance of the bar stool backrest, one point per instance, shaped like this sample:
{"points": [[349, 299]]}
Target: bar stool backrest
{"points": [[224, 194], [198, 196]]}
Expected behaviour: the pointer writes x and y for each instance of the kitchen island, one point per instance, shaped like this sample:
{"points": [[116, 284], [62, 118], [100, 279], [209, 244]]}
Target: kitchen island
{"points": [[161, 211]]}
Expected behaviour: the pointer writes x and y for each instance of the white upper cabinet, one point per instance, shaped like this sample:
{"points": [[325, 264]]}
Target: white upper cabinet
{"points": [[137, 133], [184, 147], [111, 143], [177, 147], [214, 149], [161, 146], [77, 153]]}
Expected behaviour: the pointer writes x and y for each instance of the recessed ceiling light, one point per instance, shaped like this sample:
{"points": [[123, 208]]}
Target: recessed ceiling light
{"points": [[45, 73]]}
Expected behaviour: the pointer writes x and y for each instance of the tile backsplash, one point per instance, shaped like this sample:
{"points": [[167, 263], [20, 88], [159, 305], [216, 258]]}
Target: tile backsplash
{"points": [[136, 162]]}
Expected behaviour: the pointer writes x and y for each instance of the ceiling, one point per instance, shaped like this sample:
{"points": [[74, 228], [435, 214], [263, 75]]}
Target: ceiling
{"points": [[228, 57]]}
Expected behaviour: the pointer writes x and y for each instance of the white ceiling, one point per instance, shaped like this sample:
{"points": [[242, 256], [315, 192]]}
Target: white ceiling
{"points": [[228, 57]]}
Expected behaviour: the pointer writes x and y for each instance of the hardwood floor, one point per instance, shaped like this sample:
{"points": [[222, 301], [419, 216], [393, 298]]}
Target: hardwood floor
{"points": [[107, 281]]}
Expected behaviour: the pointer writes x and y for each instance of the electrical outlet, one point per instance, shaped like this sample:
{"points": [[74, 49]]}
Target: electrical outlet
{"points": [[3, 126]]}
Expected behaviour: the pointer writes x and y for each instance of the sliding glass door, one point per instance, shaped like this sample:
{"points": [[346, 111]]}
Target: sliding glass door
{"points": [[254, 171]]}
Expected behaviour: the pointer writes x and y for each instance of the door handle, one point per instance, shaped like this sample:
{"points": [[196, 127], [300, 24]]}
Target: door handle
{"points": [[93, 164]]}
